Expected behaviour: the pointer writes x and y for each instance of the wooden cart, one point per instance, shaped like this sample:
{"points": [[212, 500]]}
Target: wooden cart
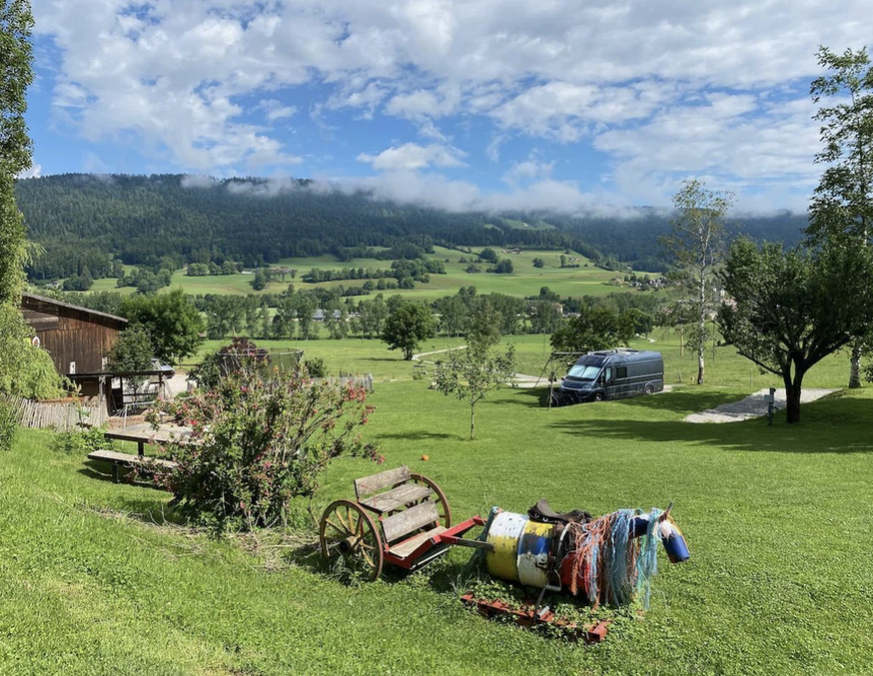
{"points": [[397, 517]]}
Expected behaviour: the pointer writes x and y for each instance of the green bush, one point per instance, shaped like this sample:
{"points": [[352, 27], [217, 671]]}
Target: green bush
{"points": [[257, 443], [8, 426], [316, 368], [81, 442]]}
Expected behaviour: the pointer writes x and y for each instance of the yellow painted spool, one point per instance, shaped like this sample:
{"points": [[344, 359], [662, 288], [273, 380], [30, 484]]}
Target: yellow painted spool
{"points": [[504, 534]]}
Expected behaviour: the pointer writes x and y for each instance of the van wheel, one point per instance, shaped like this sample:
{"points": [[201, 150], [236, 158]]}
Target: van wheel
{"points": [[649, 390], [598, 396]]}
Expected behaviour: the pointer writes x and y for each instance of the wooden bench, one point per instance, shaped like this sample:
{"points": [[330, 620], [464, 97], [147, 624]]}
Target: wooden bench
{"points": [[402, 492], [119, 460], [406, 503]]}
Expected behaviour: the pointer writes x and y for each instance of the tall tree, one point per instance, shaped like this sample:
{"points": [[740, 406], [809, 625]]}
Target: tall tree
{"points": [[842, 205], [697, 243], [25, 370], [407, 326], [173, 323], [16, 75], [596, 328], [793, 308]]}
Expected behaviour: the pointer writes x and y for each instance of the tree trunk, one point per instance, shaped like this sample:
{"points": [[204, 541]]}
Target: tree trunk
{"points": [[472, 421], [855, 365], [792, 395], [701, 338]]}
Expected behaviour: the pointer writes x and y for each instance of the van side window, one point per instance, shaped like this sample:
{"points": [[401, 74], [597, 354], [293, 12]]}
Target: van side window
{"points": [[621, 371], [607, 374]]}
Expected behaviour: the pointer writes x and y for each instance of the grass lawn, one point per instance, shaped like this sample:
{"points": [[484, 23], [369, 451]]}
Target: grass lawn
{"points": [[777, 520], [727, 369], [526, 280]]}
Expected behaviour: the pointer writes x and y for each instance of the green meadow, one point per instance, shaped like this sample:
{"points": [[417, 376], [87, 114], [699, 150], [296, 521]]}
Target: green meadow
{"points": [[101, 578], [525, 280]]}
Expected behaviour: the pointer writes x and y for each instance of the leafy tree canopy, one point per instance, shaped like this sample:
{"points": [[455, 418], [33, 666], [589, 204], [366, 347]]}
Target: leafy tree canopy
{"points": [[173, 323], [791, 309], [407, 326], [596, 328]]}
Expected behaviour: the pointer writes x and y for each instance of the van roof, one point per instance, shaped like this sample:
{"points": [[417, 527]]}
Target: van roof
{"points": [[625, 354]]}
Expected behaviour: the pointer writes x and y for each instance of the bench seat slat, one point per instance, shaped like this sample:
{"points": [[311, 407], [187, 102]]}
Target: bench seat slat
{"points": [[405, 548], [396, 498], [127, 459]]}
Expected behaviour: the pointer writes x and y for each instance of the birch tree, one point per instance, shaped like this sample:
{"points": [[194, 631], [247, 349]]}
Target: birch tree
{"points": [[697, 244]]}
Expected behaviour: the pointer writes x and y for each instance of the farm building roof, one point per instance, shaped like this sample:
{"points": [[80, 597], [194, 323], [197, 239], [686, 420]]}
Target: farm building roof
{"points": [[31, 303]]}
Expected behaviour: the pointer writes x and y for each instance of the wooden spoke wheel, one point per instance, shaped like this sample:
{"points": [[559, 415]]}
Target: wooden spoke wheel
{"points": [[442, 503], [349, 534]]}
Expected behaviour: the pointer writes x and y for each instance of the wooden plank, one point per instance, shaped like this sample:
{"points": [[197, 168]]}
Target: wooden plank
{"points": [[396, 498], [403, 523], [368, 485], [127, 459], [406, 547]]}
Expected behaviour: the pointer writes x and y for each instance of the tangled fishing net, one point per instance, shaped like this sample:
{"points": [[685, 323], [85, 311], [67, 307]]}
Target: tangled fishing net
{"points": [[609, 565]]}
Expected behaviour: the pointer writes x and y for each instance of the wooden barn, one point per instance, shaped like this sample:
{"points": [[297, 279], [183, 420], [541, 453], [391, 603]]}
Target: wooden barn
{"points": [[78, 339]]}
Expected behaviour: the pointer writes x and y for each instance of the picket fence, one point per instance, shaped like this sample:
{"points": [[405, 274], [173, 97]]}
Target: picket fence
{"points": [[63, 416]]}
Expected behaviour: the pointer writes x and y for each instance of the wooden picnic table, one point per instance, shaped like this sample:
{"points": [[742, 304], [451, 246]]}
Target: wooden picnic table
{"points": [[144, 433]]}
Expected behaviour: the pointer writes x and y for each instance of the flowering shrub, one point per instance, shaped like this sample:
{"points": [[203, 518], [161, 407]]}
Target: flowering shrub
{"points": [[258, 442]]}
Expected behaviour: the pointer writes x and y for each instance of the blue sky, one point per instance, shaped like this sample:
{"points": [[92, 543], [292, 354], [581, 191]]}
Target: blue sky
{"points": [[494, 104]]}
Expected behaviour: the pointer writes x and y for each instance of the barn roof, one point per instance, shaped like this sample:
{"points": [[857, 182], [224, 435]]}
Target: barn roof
{"points": [[42, 305]]}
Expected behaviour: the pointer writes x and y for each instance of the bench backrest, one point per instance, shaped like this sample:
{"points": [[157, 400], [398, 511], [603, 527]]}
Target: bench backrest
{"points": [[409, 520], [369, 485]]}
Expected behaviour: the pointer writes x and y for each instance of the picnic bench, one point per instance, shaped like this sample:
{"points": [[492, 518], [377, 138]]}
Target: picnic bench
{"points": [[126, 460], [143, 434]]}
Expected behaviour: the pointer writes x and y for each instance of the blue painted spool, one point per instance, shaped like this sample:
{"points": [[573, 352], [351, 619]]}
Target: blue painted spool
{"points": [[674, 543]]}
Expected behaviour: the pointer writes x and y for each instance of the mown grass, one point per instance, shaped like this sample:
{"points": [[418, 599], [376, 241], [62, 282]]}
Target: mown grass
{"points": [[725, 369], [777, 519]]}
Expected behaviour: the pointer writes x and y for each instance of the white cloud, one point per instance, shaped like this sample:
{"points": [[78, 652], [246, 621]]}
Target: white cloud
{"points": [[275, 110], [738, 141], [528, 170], [565, 111], [411, 156], [34, 171], [436, 191], [180, 76]]}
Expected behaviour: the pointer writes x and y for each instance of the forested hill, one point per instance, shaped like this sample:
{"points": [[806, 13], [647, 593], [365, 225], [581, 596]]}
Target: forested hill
{"points": [[85, 220]]}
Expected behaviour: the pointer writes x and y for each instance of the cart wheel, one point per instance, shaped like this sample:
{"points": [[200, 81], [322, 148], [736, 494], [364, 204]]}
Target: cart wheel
{"points": [[442, 502], [347, 531]]}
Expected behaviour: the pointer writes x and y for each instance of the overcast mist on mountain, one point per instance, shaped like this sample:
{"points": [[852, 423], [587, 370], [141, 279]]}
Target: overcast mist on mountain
{"points": [[459, 104]]}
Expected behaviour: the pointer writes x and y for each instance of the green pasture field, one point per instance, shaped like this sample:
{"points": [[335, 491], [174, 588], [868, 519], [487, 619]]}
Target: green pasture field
{"points": [[725, 369], [526, 280], [97, 581]]}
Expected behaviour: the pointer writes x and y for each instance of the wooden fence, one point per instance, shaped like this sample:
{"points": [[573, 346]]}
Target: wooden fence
{"points": [[358, 381], [63, 416]]}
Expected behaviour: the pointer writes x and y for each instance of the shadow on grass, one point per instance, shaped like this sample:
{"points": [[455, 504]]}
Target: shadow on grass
{"points": [[103, 472], [835, 425], [420, 436], [684, 401]]}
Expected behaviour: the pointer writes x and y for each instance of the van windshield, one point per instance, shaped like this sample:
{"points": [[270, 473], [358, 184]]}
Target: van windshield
{"points": [[583, 372]]}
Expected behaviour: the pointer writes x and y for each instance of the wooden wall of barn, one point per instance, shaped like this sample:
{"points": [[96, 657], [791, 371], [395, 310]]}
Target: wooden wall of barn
{"points": [[80, 340]]}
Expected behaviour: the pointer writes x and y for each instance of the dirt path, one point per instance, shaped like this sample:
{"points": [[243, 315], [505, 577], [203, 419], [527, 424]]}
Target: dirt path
{"points": [[417, 357], [753, 406], [518, 380]]}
